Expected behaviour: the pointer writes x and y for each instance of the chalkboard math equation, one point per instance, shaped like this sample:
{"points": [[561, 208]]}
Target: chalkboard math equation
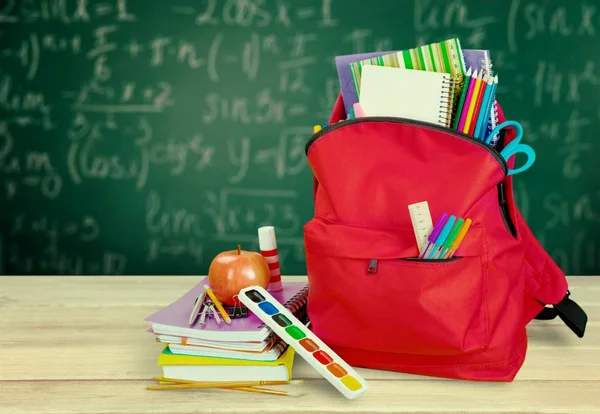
{"points": [[146, 137]]}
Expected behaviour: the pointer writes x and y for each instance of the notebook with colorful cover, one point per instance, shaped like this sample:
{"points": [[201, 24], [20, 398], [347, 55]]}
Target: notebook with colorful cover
{"points": [[173, 319], [442, 57], [406, 93], [194, 368]]}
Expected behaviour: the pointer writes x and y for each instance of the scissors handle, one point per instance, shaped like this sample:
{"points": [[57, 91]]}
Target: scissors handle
{"points": [[514, 146], [526, 149]]}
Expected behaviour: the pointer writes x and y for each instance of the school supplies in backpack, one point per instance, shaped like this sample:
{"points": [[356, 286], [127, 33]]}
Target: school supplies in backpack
{"points": [[415, 94], [374, 301]]}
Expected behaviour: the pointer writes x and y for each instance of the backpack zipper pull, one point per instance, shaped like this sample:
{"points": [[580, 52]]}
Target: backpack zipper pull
{"points": [[372, 269]]}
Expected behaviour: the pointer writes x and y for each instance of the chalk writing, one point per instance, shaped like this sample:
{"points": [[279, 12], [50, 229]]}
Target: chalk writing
{"points": [[85, 229], [585, 208], [57, 262], [582, 256], [66, 12], [170, 223], [144, 137], [18, 100], [264, 110], [286, 159], [528, 21], [552, 85], [159, 249], [33, 169], [256, 13], [432, 17]]}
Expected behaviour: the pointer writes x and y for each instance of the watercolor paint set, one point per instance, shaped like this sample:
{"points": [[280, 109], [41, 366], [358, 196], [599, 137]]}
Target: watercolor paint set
{"points": [[333, 368]]}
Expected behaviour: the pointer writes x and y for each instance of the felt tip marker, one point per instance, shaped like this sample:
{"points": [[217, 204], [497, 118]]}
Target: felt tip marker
{"points": [[451, 238], [434, 234], [442, 237], [459, 238]]}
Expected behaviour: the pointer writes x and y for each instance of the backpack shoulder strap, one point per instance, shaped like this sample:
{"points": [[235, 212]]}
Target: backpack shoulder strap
{"points": [[545, 282]]}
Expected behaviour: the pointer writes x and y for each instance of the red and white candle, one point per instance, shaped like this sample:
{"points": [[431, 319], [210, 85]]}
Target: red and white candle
{"points": [[268, 248]]}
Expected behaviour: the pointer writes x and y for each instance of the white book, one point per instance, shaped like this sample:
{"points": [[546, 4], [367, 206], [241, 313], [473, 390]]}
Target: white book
{"points": [[203, 368], [226, 373], [406, 93]]}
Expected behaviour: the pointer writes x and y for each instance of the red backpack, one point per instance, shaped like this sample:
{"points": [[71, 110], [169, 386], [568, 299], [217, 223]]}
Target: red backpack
{"points": [[374, 302]]}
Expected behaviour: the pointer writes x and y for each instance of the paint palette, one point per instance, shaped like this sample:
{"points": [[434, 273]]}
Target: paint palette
{"points": [[333, 368]]}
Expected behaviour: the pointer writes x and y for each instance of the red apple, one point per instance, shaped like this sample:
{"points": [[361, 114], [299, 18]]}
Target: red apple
{"points": [[233, 270]]}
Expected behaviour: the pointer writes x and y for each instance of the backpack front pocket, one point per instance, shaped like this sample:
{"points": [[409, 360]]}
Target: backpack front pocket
{"points": [[393, 304]]}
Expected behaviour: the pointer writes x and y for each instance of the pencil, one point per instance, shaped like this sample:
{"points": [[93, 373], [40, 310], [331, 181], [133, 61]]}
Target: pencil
{"points": [[178, 384], [477, 110], [489, 107], [166, 387], [217, 303], [484, 113], [213, 384], [471, 107], [471, 87], [461, 102]]}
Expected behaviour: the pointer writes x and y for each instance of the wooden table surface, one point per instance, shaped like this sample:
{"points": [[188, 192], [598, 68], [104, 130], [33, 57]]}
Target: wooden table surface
{"points": [[79, 345]]}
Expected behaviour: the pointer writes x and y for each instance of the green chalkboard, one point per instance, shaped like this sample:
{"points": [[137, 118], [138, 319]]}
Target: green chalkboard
{"points": [[143, 137]]}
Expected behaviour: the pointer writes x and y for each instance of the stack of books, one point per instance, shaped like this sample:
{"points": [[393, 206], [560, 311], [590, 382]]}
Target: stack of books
{"points": [[245, 350]]}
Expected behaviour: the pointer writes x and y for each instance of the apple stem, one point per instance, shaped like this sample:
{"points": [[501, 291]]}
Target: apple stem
{"points": [[239, 248]]}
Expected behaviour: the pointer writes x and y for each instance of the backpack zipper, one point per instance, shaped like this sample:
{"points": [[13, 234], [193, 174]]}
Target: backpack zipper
{"points": [[372, 268], [405, 121], [373, 263]]}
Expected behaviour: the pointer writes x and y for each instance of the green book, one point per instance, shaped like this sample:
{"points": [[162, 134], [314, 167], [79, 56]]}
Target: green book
{"points": [[444, 57]]}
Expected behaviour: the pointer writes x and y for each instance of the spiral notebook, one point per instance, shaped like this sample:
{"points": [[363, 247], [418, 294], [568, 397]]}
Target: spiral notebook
{"points": [[173, 319], [407, 93]]}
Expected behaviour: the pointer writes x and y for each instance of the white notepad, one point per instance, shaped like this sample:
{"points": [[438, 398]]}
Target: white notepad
{"points": [[407, 93]]}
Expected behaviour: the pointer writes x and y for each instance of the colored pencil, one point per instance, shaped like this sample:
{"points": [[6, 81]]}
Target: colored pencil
{"points": [[463, 95], [217, 303], [471, 87], [213, 384], [195, 386], [491, 100], [472, 102], [247, 386], [484, 113], [484, 84]]}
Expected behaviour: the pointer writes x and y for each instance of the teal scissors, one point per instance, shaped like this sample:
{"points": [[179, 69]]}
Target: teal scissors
{"points": [[514, 146]]}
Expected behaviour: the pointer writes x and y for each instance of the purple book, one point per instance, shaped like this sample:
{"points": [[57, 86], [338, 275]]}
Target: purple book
{"points": [[174, 318], [345, 75], [478, 60]]}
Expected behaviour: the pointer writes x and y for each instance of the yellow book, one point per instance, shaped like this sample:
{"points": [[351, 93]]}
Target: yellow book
{"points": [[201, 368]]}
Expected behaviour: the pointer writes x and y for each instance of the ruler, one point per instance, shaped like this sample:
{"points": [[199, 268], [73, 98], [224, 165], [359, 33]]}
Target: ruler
{"points": [[420, 216]]}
